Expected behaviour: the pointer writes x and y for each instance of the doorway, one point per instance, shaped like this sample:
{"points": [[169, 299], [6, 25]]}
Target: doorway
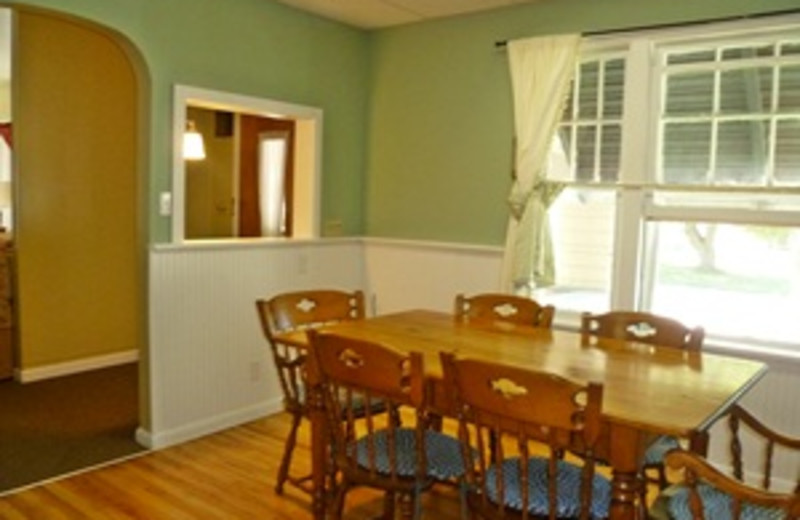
{"points": [[78, 249], [266, 177]]}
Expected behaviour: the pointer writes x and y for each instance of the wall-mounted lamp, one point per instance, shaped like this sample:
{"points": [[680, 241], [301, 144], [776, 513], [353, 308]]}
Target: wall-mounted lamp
{"points": [[193, 148]]}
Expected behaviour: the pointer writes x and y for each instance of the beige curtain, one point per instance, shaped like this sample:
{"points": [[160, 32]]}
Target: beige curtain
{"points": [[541, 72]]}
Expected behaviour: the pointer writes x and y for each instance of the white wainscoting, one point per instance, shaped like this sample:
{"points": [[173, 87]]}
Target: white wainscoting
{"points": [[406, 275], [209, 364], [206, 346]]}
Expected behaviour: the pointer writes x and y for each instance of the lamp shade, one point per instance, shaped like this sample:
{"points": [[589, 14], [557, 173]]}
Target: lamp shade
{"points": [[193, 147]]}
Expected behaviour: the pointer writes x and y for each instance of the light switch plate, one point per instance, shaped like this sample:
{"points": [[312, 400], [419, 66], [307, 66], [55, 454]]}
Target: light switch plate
{"points": [[165, 204]]}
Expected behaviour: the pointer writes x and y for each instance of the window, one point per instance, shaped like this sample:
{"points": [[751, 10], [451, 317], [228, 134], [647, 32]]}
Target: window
{"points": [[187, 207], [680, 151], [730, 114], [591, 126], [747, 286]]}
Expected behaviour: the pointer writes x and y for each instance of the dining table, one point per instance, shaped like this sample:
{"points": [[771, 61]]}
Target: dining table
{"points": [[649, 390]]}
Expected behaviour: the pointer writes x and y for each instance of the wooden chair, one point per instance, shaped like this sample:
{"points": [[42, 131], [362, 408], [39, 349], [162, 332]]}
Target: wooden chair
{"points": [[708, 493], [402, 461], [652, 329], [298, 311], [493, 307], [526, 411], [643, 327], [503, 307]]}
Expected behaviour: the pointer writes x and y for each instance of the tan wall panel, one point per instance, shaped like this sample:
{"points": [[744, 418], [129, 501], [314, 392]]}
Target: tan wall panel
{"points": [[74, 124], [209, 182]]}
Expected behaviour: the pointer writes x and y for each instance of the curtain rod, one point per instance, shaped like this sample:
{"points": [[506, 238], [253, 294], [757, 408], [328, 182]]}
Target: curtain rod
{"points": [[502, 44]]}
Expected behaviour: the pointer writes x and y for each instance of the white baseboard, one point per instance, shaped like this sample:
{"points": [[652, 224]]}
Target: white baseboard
{"points": [[29, 375], [159, 440]]}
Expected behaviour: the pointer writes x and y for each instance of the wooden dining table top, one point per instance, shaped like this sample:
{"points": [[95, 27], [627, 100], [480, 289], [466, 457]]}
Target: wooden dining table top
{"points": [[660, 390]]}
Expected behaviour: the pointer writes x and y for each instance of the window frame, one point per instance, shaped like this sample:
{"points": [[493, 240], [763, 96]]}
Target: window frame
{"points": [[308, 158]]}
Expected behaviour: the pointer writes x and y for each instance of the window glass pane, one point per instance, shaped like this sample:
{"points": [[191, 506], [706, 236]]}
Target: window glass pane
{"points": [[582, 227], [690, 57], [610, 140], [613, 88], [558, 160], [789, 95], [742, 150], [739, 53], [787, 152], [686, 153], [564, 143], [791, 48], [738, 282], [746, 91], [691, 93], [585, 161], [588, 90]]}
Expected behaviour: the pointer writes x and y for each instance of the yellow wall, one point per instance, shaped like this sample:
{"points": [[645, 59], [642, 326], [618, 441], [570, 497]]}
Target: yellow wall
{"points": [[209, 182], [74, 137]]}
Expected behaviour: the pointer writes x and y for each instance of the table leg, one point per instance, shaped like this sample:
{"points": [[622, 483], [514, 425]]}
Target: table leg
{"points": [[318, 454], [627, 447]]}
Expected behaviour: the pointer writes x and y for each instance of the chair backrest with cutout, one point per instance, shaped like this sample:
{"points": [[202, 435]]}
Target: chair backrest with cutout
{"points": [[643, 327], [503, 307], [301, 310], [352, 376], [506, 412]]}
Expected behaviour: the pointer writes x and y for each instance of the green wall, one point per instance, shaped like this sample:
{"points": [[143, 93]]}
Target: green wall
{"points": [[439, 146], [252, 47], [417, 131]]}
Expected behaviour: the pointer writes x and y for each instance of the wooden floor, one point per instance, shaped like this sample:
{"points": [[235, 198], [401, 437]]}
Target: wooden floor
{"points": [[229, 475]]}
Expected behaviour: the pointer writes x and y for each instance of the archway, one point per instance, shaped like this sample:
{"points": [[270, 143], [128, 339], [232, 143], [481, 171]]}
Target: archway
{"points": [[80, 113]]}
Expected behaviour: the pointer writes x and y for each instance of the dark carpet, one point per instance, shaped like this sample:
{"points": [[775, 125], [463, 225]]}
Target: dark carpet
{"points": [[52, 427]]}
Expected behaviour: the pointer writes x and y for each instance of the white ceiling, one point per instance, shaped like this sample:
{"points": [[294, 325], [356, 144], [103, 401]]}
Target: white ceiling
{"points": [[375, 14]]}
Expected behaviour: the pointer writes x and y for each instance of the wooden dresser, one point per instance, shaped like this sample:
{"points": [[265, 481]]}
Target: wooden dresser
{"points": [[6, 308]]}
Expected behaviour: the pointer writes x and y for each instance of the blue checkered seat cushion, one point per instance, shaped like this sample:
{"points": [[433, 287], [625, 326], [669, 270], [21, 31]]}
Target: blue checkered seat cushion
{"points": [[568, 501], [658, 449], [717, 505], [443, 453]]}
